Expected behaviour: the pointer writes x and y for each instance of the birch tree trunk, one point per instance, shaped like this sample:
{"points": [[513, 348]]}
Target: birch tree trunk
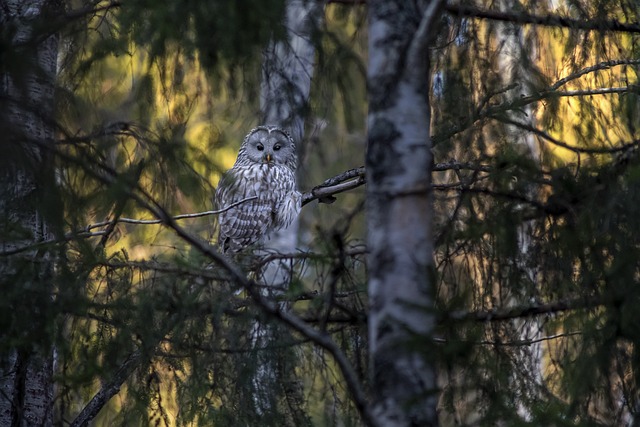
{"points": [[399, 211], [26, 98], [287, 70]]}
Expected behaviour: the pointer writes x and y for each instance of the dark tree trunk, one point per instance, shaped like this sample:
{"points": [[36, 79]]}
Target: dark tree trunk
{"points": [[27, 79]]}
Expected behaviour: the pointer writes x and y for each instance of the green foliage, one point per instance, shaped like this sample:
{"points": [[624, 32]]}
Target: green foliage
{"points": [[151, 105], [228, 32], [537, 226]]}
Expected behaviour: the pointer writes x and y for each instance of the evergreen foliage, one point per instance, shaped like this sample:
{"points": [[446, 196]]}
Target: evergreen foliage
{"points": [[536, 230]]}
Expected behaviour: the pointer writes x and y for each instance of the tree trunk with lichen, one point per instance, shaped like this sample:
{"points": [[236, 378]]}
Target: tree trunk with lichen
{"points": [[399, 211], [26, 99]]}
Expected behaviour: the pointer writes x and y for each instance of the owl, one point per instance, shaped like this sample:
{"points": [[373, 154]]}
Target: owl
{"points": [[265, 170]]}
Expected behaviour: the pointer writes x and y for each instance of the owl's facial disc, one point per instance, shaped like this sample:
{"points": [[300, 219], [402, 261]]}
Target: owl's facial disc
{"points": [[270, 147]]}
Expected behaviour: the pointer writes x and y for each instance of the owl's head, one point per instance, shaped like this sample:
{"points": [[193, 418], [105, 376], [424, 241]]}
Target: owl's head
{"points": [[269, 145]]}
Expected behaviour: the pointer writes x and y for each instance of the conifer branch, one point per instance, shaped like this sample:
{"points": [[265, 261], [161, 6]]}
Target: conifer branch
{"points": [[524, 311], [482, 111], [108, 390], [584, 150], [324, 193], [516, 343], [604, 65], [549, 20], [107, 175]]}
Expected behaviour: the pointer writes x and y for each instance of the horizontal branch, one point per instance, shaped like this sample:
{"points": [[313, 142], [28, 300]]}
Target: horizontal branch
{"points": [[324, 193], [597, 91], [523, 311], [457, 166], [549, 20], [514, 343], [546, 137], [177, 217], [346, 181], [87, 233], [544, 20]]}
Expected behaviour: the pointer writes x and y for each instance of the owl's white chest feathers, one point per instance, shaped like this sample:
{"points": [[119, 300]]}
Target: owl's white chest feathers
{"points": [[276, 186]]}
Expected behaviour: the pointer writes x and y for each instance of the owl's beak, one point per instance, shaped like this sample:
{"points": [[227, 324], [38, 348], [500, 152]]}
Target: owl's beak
{"points": [[268, 158]]}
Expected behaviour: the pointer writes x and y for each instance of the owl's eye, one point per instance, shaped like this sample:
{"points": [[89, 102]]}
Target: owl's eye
{"points": [[276, 147], [260, 147]]}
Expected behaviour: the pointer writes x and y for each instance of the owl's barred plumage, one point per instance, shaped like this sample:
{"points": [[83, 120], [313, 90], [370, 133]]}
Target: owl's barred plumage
{"points": [[266, 169]]}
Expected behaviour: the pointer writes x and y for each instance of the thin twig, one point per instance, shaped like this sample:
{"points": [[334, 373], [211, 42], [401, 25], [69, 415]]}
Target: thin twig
{"points": [[177, 217]]}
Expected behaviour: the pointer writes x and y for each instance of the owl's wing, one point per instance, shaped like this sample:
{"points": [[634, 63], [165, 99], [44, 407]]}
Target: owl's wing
{"points": [[247, 222]]}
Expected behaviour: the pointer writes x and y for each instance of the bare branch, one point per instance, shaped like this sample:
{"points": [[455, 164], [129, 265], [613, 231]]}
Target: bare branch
{"points": [[597, 91], [177, 217], [585, 24], [456, 166], [354, 178], [348, 180], [524, 311], [517, 343], [345, 181]]}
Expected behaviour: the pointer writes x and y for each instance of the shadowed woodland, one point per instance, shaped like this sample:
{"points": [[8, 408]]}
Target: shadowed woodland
{"points": [[467, 251]]}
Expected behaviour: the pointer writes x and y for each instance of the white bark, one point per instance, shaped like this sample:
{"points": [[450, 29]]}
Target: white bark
{"points": [[399, 210], [27, 106], [287, 70]]}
